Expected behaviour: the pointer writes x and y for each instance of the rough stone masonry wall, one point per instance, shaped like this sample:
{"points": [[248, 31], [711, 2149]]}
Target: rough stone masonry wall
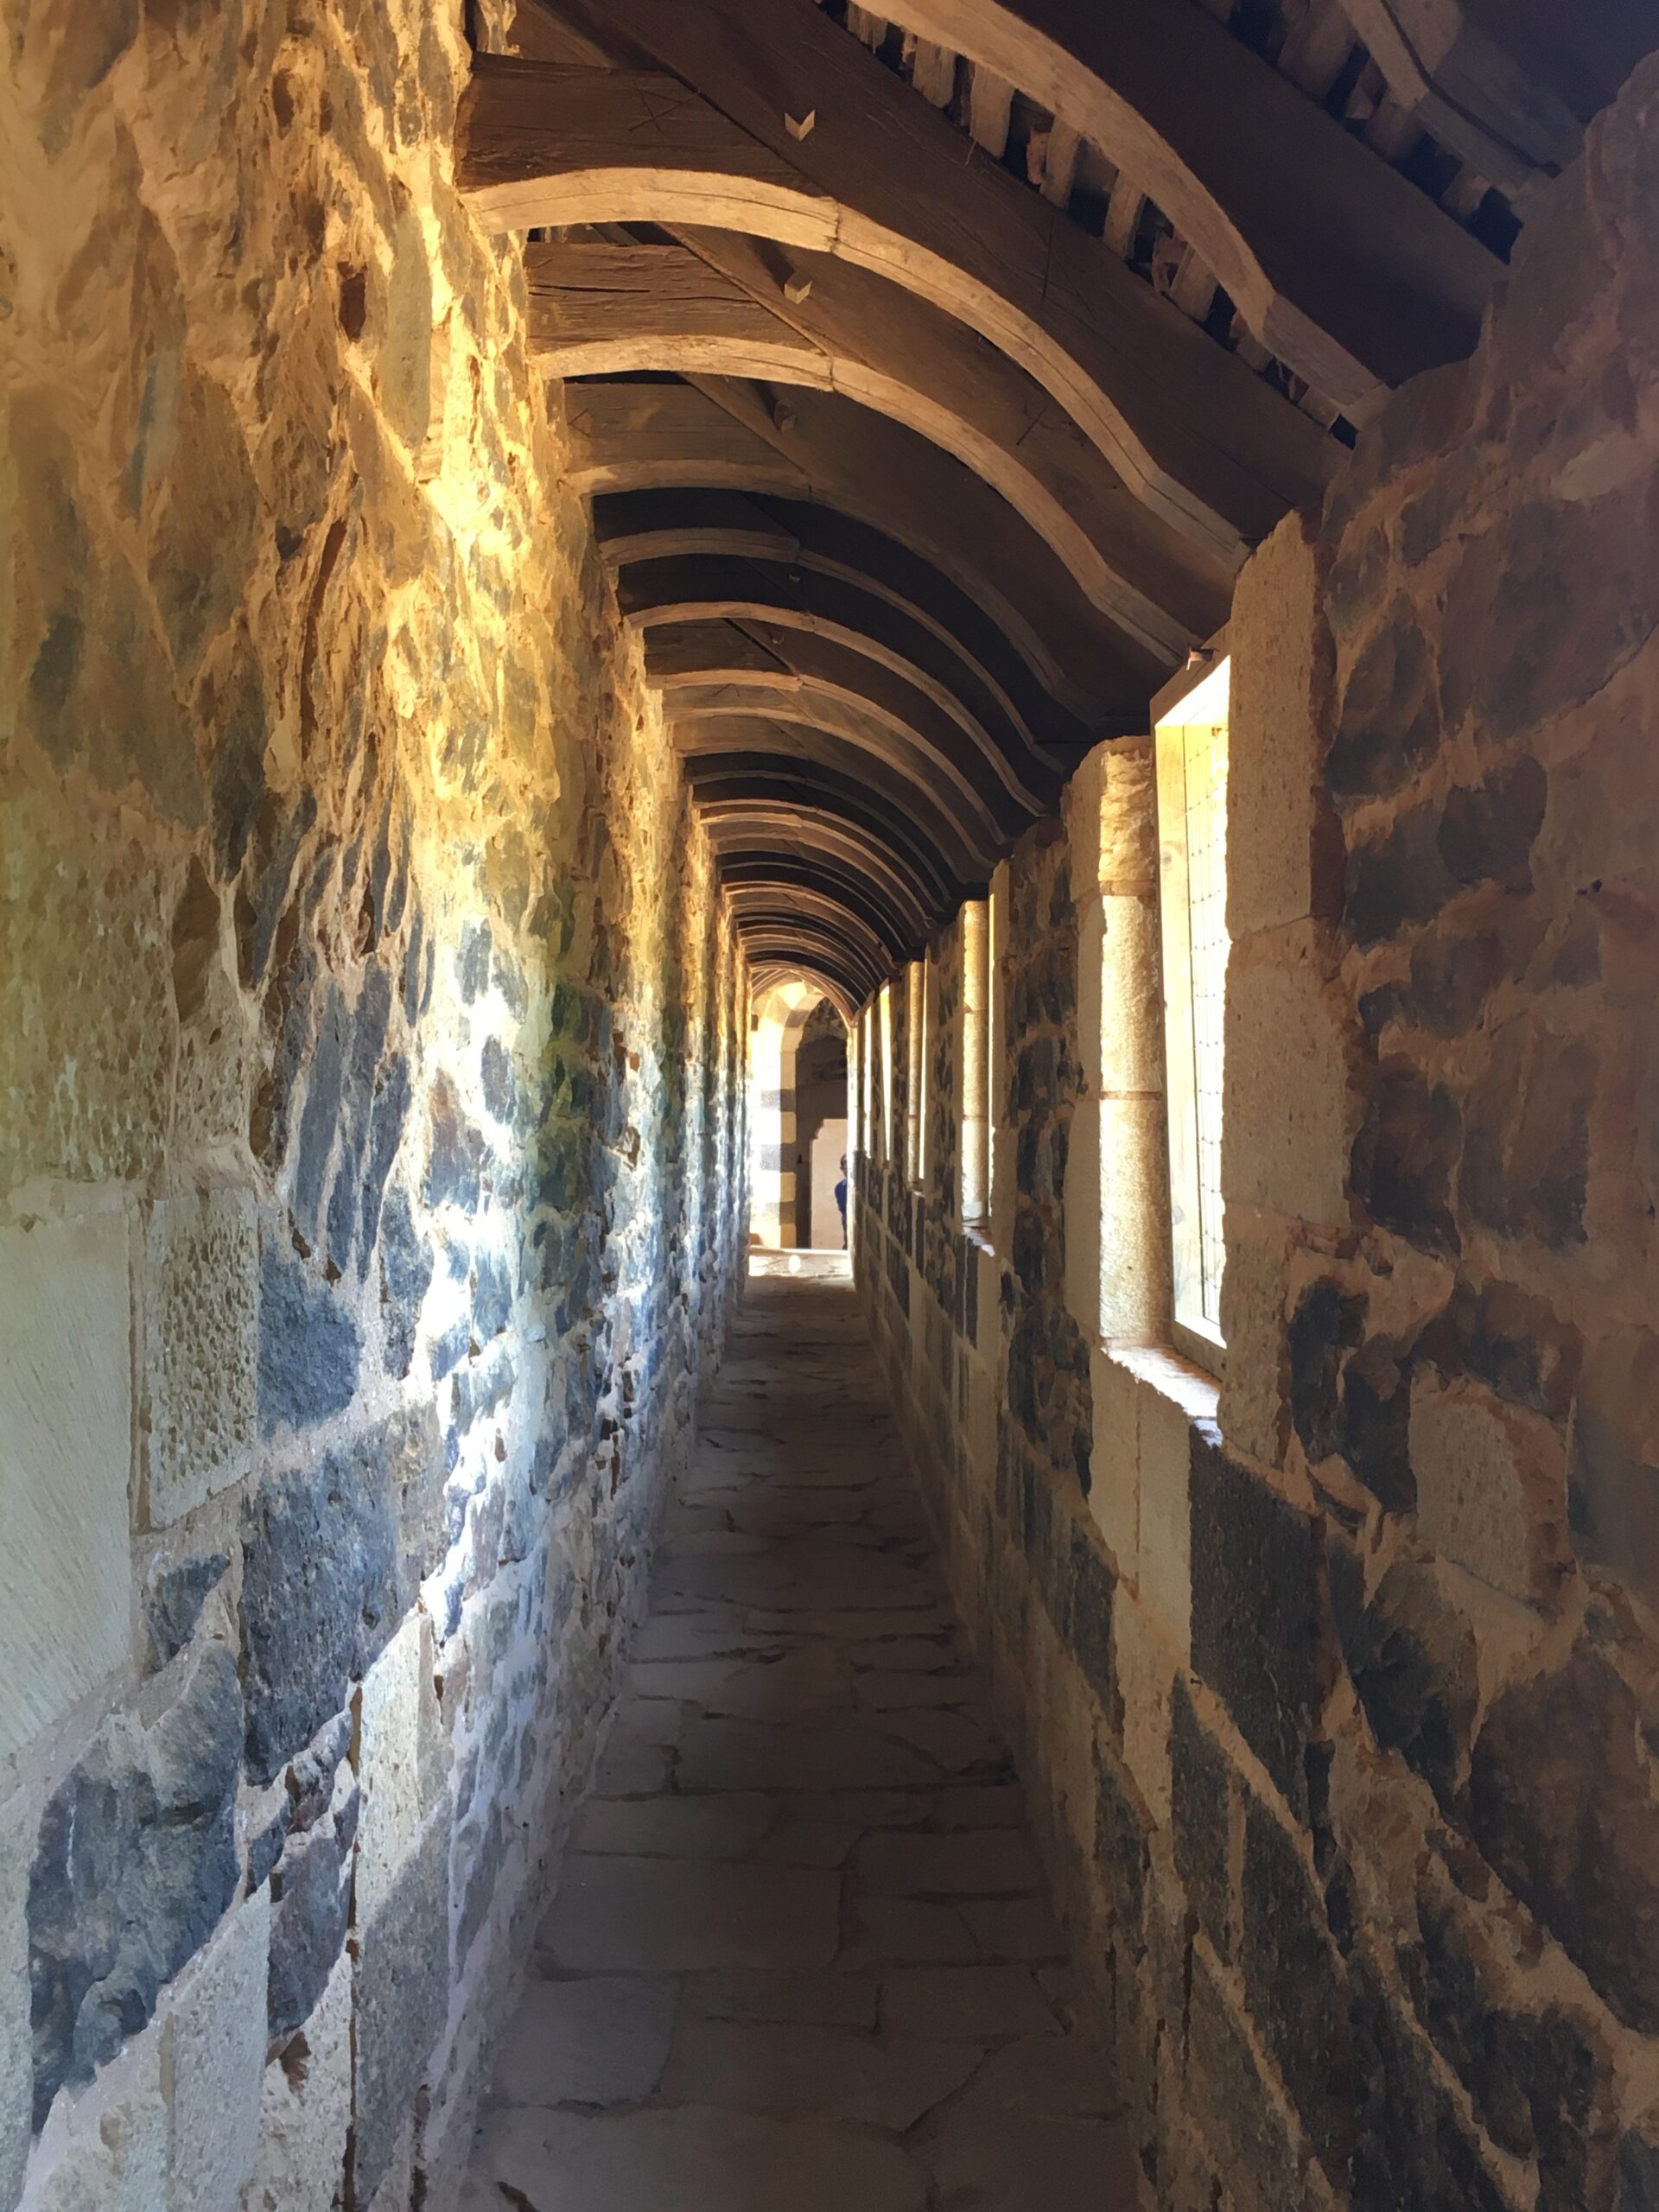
{"points": [[1363, 1806], [372, 1155]]}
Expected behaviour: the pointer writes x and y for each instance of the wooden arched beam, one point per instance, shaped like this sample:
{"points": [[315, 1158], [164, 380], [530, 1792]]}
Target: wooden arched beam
{"points": [[882, 181], [773, 932], [688, 654], [876, 846], [728, 434], [1510, 88], [719, 304], [761, 832], [810, 872], [1338, 263], [712, 587], [792, 893], [644, 527], [743, 772], [901, 774]]}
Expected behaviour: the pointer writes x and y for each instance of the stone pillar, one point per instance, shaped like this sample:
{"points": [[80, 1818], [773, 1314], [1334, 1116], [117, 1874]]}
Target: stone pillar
{"points": [[1116, 1228]]}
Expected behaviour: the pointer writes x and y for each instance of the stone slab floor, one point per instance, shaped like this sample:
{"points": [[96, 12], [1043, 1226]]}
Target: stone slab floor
{"points": [[800, 1959]]}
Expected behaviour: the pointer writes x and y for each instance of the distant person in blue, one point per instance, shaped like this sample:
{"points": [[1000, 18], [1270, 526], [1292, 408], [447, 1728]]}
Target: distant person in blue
{"points": [[841, 1200]]}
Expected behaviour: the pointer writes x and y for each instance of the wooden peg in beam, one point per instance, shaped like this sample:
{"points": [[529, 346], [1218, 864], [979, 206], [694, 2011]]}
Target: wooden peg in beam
{"points": [[800, 126]]}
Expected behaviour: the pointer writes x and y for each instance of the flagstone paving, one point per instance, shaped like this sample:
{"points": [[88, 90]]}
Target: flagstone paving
{"points": [[800, 1959]]}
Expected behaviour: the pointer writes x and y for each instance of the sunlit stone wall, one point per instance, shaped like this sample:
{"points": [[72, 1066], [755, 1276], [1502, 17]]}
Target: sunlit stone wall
{"points": [[372, 1141]]}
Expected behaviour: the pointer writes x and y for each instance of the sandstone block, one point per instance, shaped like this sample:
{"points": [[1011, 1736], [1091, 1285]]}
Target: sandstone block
{"points": [[402, 1760], [201, 1317], [402, 2002], [66, 1413], [1173, 1397], [1255, 1408], [1490, 1486], [1114, 1460], [86, 1001], [214, 2064], [1290, 1099], [305, 2111], [1144, 1666], [119, 2162], [1283, 848]]}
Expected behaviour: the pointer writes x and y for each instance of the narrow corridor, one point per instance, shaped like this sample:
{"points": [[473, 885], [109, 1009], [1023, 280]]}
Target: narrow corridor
{"points": [[800, 1959]]}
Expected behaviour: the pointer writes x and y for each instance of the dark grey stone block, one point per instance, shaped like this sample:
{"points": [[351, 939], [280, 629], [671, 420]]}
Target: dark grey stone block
{"points": [[177, 1595], [331, 1558], [309, 1348], [135, 1863], [310, 1892], [1256, 1632]]}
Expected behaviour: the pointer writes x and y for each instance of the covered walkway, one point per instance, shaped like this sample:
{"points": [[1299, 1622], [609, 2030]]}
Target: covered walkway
{"points": [[800, 1955]]}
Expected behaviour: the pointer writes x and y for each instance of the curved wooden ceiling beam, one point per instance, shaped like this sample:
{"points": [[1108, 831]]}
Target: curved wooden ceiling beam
{"points": [[792, 899], [872, 843], [723, 649], [701, 589], [719, 304], [781, 865], [882, 181], [648, 526], [728, 434], [790, 675], [774, 933], [740, 764], [1339, 263], [1508, 89], [759, 832], [790, 890], [752, 718]]}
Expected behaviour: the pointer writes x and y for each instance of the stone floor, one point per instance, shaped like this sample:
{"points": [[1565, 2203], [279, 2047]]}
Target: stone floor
{"points": [[801, 1959]]}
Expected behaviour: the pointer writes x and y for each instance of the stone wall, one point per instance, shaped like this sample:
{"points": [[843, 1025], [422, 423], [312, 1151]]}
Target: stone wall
{"points": [[1336, 1684], [372, 1143]]}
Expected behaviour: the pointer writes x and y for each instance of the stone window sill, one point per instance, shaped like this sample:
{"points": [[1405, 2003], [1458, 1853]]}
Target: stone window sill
{"points": [[1170, 1373]]}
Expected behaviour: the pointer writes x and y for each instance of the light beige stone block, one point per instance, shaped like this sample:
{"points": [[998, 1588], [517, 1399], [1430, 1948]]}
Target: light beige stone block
{"points": [[213, 2059], [1145, 1660], [65, 1419], [114, 2158], [1173, 1394], [1130, 954], [1490, 1485], [402, 1761], [1128, 814], [201, 1334], [1283, 857], [1255, 1409], [1292, 1106], [306, 2110], [1134, 1273], [1114, 1461]]}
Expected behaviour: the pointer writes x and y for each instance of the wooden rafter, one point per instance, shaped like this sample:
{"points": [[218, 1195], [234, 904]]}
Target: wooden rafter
{"points": [[880, 181], [716, 304]]}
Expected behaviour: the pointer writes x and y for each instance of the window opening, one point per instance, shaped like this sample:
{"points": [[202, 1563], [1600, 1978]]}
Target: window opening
{"points": [[1192, 751], [975, 1064]]}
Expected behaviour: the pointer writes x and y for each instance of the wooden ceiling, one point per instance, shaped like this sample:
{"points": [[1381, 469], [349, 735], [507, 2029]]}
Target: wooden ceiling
{"points": [[932, 374]]}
